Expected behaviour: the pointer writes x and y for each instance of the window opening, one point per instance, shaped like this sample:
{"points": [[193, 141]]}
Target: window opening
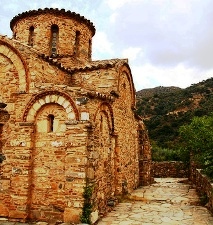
{"points": [[31, 36], [54, 40], [101, 125], [51, 122], [77, 40], [90, 49]]}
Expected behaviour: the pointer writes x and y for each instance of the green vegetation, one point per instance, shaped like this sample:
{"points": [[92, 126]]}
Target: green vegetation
{"points": [[164, 154], [165, 110], [87, 207], [197, 139], [180, 122], [204, 199]]}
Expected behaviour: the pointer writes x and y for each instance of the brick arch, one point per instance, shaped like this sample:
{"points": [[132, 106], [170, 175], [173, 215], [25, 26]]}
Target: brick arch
{"points": [[33, 24], [14, 56], [125, 69], [53, 21], [49, 97], [107, 110]]}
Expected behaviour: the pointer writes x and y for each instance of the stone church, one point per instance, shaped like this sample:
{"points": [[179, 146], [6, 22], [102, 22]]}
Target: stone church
{"points": [[66, 122]]}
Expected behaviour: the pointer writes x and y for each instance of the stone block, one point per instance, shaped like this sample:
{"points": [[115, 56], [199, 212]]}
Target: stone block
{"points": [[54, 98], [75, 174], [47, 99], [90, 173], [41, 101], [66, 104], [71, 116], [41, 223], [36, 106], [95, 155], [17, 214], [70, 159], [4, 184], [3, 210], [94, 216], [61, 100], [72, 215], [57, 144], [84, 116]]}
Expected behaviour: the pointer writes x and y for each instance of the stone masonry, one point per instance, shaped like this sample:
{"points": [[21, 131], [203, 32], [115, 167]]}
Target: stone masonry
{"points": [[176, 169], [66, 122]]}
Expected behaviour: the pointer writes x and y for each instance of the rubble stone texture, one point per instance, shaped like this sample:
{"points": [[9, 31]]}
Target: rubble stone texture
{"points": [[66, 121], [169, 169]]}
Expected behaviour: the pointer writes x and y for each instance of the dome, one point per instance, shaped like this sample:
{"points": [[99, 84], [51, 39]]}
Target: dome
{"points": [[54, 32]]}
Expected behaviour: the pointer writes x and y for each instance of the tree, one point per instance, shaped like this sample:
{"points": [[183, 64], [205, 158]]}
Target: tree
{"points": [[197, 139]]}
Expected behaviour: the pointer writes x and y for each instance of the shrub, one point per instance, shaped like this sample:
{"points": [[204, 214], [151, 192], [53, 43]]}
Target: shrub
{"points": [[164, 154], [87, 207], [197, 140]]}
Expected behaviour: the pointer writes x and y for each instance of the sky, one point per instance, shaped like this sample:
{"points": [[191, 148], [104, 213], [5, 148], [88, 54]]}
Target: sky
{"points": [[167, 42]]}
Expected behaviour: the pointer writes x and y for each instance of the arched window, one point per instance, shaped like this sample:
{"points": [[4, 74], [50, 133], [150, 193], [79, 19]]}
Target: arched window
{"points": [[51, 123], [101, 124], [31, 36], [90, 49], [77, 40], [54, 40]]}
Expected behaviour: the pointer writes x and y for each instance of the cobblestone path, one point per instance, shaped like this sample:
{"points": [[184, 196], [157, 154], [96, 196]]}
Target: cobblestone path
{"points": [[169, 201]]}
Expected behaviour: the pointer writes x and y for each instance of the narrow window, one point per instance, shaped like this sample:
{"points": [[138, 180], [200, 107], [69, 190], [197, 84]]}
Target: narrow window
{"points": [[90, 50], [31, 36], [54, 40], [77, 40], [51, 123], [101, 125]]}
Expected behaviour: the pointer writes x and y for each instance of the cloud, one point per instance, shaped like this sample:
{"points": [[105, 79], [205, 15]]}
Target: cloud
{"points": [[102, 47], [175, 38], [168, 31], [167, 41], [118, 3], [148, 76], [131, 53]]}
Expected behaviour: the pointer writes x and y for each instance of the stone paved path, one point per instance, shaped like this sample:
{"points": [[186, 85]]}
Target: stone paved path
{"points": [[169, 201]]}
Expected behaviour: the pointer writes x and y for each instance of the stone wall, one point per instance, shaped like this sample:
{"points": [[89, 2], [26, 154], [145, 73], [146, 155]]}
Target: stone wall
{"points": [[203, 186], [169, 169], [145, 160]]}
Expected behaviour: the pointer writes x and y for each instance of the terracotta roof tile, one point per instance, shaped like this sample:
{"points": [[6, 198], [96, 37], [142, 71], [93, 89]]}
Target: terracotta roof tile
{"points": [[54, 11], [93, 65]]}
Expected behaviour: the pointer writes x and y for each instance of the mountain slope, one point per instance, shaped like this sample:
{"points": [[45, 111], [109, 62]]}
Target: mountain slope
{"points": [[165, 109]]}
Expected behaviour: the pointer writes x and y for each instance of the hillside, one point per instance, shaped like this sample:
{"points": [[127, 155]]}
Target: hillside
{"points": [[165, 109], [149, 92]]}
